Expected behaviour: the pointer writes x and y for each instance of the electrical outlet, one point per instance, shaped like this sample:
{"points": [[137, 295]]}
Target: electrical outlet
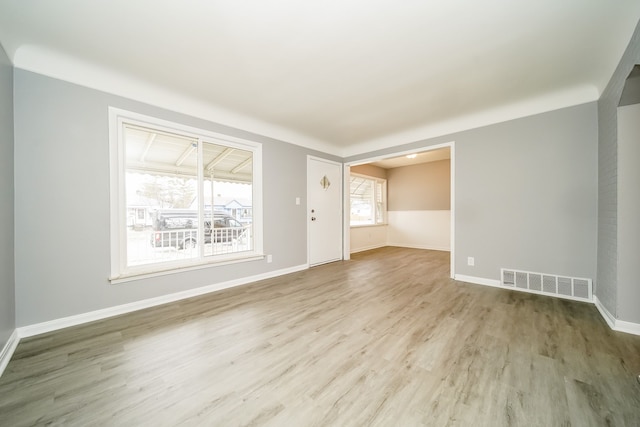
{"points": [[471, 261], [269, 258]]}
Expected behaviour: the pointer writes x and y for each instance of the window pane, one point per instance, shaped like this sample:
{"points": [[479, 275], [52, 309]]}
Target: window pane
{"points": [[180, 196], [368, 200], [161, 196], [380, 207], [362, 201], [227, 198]]}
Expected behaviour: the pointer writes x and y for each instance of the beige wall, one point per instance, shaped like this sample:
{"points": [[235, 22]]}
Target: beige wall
{"points": [[423, 187], [370, 170]]}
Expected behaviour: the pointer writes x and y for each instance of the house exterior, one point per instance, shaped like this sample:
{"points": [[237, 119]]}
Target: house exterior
{"points": [[139, 211], [237, 207]]}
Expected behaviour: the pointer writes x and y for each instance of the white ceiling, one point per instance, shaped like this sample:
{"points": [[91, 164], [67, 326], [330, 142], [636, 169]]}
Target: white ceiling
{"points": [[420, 157], [343, 76]]}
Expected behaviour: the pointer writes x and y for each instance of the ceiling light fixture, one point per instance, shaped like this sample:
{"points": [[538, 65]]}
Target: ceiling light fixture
{"points": [[411, 156]]}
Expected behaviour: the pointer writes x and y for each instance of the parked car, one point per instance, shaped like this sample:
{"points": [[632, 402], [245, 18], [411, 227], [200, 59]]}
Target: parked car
{"points": [[177, 228]]}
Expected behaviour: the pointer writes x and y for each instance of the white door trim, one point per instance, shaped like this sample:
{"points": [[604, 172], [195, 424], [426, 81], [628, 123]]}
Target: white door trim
{"points": [[347, 168], [346, 215], [342, 205]]}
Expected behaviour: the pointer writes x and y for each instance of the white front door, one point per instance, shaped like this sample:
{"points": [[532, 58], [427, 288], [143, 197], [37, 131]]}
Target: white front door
{"points": [[324, 210]]}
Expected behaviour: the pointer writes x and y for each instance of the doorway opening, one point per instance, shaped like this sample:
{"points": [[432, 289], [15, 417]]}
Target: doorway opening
{"points": [[419, 202]]}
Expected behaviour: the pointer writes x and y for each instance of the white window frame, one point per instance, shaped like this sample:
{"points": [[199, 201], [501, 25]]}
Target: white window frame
{"points": [[118, 218], [376, 180]]}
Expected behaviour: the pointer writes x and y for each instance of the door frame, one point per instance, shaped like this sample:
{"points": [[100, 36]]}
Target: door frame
{"points": [[346, 249], [308, 213]]}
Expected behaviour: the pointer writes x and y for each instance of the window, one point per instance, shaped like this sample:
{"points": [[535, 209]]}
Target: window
{"points": [[180, 197], [368, 200]]}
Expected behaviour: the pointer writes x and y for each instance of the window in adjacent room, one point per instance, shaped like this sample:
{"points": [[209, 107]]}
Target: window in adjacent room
{"points": [[368, 200], [180, 197]]}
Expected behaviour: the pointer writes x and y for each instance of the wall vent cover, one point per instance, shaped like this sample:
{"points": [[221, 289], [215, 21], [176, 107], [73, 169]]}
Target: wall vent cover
{"points": [[576, 288]]}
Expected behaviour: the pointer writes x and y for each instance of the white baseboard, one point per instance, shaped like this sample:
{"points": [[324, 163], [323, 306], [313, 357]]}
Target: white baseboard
{"points": [[616, 324], [498, 284], [478, 280], [53, 325], [40, 328], [427, 247], [367, 248], [8, 350], [628, 327], [399, 245], [606, 315]]}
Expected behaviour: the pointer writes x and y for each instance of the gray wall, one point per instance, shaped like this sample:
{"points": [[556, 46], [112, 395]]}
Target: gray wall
{"points": [[422, 187], [629, 213], [607, 284], [62, 246], [7, 284], [525, 193]]}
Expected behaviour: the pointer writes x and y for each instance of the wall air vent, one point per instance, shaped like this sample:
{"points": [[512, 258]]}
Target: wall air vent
{"points": [[547, 284]]}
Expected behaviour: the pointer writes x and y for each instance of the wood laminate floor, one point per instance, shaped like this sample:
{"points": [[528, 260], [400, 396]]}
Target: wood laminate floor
{"points": [[386, 339]]}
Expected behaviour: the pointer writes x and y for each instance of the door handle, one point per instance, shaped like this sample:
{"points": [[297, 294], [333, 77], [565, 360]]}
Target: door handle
{"points": [[313, 218]]}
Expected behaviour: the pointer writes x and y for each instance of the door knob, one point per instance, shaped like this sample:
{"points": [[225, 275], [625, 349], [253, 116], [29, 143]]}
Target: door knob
{"points": [[313, 218]]}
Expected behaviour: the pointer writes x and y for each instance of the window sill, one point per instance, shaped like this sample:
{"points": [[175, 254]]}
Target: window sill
{"points": [[368, 225], [145, 274]]}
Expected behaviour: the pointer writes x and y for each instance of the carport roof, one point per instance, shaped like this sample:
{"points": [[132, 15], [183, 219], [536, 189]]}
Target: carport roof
{"points": [[154, 152]]}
